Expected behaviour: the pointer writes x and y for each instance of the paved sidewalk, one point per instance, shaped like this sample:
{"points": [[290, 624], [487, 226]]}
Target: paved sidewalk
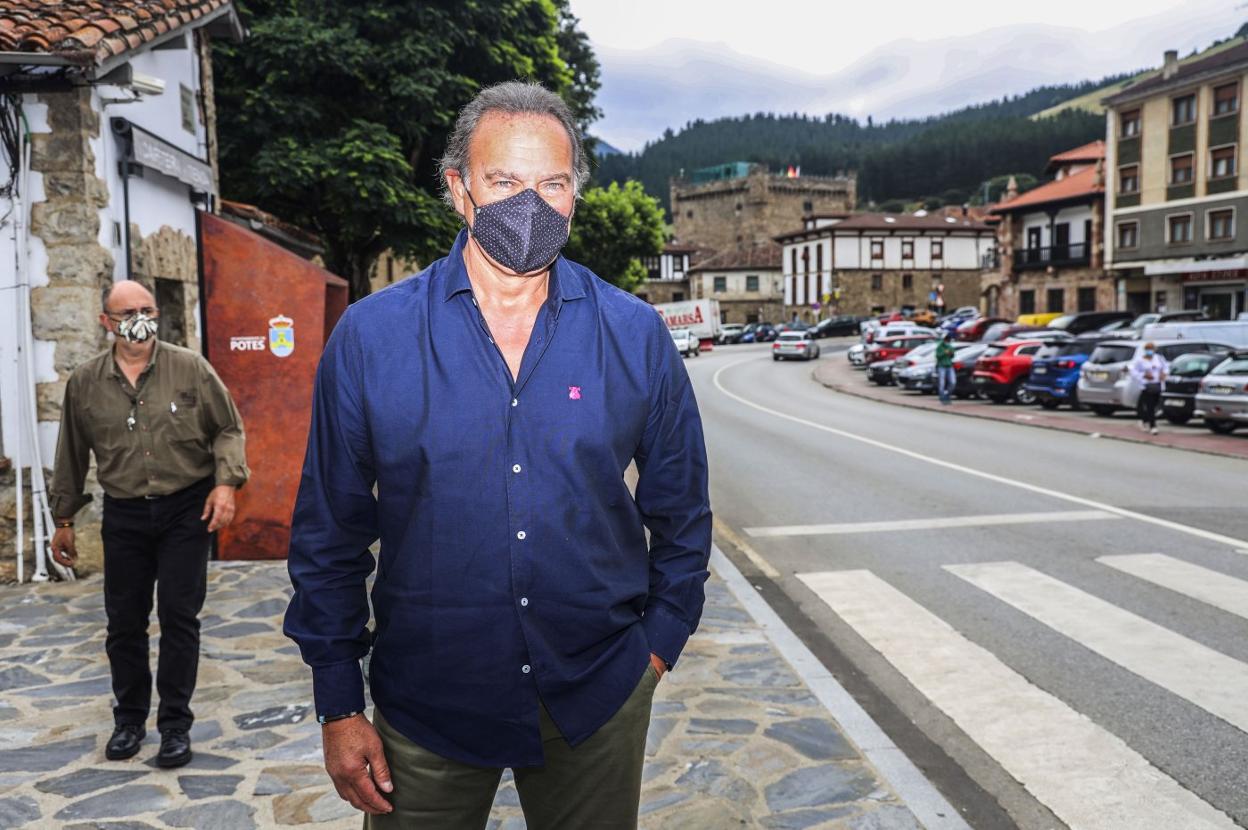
{"points": [[737, 738], [837, 374]]}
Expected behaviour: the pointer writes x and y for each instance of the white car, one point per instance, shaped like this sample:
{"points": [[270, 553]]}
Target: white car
{"points": [[795, 344], [686, 343]]}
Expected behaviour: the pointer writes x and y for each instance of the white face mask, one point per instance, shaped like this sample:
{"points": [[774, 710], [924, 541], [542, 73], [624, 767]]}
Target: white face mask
{"points": [[138, 327]]}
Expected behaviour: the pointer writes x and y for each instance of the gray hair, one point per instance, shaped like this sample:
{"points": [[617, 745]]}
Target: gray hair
{"points": [[517, 98]]}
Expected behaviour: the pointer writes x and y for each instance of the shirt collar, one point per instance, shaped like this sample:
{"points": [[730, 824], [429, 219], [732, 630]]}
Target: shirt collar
{"points": [[115, 371], [565, 284]]}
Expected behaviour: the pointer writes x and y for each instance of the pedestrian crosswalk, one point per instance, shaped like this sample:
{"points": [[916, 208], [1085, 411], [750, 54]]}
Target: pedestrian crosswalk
{"points": [[1086, 775]]}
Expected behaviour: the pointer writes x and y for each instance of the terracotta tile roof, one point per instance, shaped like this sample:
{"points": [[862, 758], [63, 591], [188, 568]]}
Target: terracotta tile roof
{"points": [[92, 31], [251, 213], [765, 256], [908, 222], [1226, 60], [1081, 184], [1093, 151]]}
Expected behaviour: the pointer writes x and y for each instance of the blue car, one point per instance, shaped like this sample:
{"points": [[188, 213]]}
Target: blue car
{"points": [[1054, 378]]}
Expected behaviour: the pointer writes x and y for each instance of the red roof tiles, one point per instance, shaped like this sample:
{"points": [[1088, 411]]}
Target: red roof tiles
{"points": [[91, 31], [1084, 183], [765, 255]]}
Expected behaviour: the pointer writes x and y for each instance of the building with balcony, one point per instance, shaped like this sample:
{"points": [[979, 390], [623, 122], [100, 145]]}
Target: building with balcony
{"points": [[1176, 189], [667, 275], [869, 263], [746, 281], [1050, 256]]}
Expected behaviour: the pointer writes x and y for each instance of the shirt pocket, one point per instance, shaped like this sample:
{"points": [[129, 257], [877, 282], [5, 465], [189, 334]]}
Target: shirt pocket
{"points": [[179, 425]]}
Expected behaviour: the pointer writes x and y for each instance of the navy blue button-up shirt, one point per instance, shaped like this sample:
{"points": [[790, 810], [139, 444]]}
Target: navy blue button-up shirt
{"points": [[513, 564]]}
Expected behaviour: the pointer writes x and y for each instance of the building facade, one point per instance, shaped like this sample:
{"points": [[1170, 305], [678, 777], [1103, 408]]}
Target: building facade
{"points": [[747, 282], [741, 204], [871, 263], [667, 275], [1176, 193], [1050, 242], [118, 101]]}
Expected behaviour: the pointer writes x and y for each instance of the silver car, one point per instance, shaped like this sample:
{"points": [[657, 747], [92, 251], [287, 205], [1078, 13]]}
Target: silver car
{"points": [[1105, 382], [1223, 396], [797, 345], [686, 343]]}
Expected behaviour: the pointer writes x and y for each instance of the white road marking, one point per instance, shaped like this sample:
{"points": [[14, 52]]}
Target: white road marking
{"points": [[1208, 586], [1240, 545], [990, 520], [1086, 775], [1210, 679], [764, 567], [911, 785]]}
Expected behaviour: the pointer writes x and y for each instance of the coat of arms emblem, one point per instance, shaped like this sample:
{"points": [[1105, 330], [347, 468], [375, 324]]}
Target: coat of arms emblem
{"points": [[281, 336]]}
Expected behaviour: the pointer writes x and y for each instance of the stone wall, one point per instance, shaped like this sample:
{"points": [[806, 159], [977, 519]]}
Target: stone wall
{"points": [[859, 297], [663, 291], [170, 254], [752, 209]]}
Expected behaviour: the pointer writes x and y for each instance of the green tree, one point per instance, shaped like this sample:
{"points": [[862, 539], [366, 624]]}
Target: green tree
{"points": [[334, 115], [613, 228]]}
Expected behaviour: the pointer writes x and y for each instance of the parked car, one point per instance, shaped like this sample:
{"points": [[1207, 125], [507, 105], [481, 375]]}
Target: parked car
{"points": [[857, 355], [1105, 382], [920, 373], [730, 333], [842, 325], [1005, 331], [1223, 397], [964, 369], [1178, 393], [794, 344], [1001, 373], [686, 343], [973, 330], [1085, 321], [893, 347], [893, 330], [765, 333], [881, 372], [915, 356], [1234, 332], [1038, 320], [1054, 378]]}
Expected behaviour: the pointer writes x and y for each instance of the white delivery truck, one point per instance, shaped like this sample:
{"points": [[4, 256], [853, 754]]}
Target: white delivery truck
{"points": [[701, 317], [1231, 332]]}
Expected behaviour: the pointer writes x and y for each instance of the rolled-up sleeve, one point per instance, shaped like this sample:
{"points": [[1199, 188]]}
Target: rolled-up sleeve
{"points": [[225, 426], [334, 524], [73, 448], [672, 495]]}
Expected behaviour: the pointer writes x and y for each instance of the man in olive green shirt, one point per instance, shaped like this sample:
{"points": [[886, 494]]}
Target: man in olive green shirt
{"points": [[169, 453]]}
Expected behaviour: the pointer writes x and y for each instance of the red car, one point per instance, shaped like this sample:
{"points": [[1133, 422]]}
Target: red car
{"points": [[973, 330], [1002, 370], [891, 348]]}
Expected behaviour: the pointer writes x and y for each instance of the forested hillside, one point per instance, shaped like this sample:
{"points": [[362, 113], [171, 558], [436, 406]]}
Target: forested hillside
{"points": [[940, 159]]}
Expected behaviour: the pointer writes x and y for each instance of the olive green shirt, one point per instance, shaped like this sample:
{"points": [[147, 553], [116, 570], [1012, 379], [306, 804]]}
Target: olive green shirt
{"points": [[178, 427]]}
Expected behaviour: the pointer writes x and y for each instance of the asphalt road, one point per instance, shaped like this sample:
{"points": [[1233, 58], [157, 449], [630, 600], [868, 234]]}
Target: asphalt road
{"points": [[1050, 625]]}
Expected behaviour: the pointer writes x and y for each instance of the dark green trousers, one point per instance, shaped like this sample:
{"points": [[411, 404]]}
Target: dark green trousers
{"points": [[596, 785]]}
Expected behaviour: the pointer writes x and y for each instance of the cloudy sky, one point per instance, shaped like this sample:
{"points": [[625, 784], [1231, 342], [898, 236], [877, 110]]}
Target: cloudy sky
{"points": [[666, 62]]}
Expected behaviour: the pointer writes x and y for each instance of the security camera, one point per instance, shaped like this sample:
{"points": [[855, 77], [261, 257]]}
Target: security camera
{"points": [[146, 84]]}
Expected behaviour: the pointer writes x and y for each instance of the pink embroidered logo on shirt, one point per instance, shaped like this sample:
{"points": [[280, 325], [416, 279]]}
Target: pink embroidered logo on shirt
{"points": [[574, 393]]}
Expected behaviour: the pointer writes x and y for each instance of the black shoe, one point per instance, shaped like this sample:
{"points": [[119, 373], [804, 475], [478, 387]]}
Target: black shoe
{"points": [[125, 741], [175, 748]]}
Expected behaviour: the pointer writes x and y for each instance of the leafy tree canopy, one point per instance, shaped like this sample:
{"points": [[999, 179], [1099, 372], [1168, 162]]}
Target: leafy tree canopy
{"points": [[334, 115], [613, 228]]}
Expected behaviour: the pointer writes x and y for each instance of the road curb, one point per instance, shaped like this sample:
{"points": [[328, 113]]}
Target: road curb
{"points": [[911, 785], [846, 389]]}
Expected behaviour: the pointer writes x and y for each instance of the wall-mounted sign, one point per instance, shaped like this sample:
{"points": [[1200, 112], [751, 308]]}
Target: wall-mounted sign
{"points": [[281, 339]]}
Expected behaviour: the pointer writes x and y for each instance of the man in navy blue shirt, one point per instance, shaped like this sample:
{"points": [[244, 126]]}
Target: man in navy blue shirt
{"points": [[478, 420]]}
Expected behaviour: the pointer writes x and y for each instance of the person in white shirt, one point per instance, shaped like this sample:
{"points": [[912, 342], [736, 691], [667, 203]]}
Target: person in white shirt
{"points": [[1149, 370]]}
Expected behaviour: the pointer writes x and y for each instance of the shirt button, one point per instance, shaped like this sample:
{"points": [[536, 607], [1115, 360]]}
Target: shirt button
{"points": [[515, 468], [524, 601], [525, 668], [515, 402], [519, 535]]}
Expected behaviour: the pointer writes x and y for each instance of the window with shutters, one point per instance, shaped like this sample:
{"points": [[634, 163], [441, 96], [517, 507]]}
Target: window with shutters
{"points": [[1129, 124], [1222, 162], [1181, 169], [1129, 178], [1182, 110], [1225, 99]]}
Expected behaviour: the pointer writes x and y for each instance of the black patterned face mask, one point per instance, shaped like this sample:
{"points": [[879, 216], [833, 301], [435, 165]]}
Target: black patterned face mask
{"points": [[522, 232]]}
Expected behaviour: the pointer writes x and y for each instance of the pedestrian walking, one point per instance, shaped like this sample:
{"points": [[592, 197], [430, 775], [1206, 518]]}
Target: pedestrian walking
{"points": [[946, 375], [1149, 369], [169, 454], [478, 420]]}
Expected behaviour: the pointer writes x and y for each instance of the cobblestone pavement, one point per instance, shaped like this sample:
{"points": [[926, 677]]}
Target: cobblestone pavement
{"points": [[737, 739], [837, 374]]}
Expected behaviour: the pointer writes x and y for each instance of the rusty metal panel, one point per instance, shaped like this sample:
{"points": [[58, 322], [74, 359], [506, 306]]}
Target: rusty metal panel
{"points": [[265, 324]]}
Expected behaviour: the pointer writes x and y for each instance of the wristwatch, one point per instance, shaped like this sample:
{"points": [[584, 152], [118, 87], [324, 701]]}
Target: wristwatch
{"points": [[324, 719]]}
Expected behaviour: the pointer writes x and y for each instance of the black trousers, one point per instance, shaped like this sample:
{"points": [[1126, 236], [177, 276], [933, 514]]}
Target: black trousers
{"points": [[160, 542], [1146, 407]]}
